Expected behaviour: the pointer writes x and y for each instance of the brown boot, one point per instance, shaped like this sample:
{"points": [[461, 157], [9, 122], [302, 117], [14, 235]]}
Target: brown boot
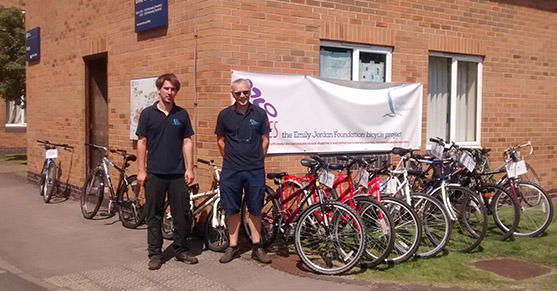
{"points": [[260, 255], [229, 254]]}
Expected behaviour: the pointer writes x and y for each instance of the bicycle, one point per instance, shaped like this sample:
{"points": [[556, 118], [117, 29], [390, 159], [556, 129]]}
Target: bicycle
{"points": [[215, 230], [48, 176], [392, 245], [129, 197], [462, 204], [436, 223], [536, 208], [329, 236]]}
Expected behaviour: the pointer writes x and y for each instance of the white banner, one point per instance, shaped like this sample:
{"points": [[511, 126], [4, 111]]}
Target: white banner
{"points": [[309, 114]]}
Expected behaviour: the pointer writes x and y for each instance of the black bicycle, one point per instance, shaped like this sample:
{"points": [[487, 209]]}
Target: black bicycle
{"points": [[48, 177], [129, 197]]}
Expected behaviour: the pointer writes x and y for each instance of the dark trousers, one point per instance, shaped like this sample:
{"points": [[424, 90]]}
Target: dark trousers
{"points": [[156, 188]]}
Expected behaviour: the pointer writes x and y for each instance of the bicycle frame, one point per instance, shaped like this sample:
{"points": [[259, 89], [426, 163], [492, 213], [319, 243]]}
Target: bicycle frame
{"points": [[213, 200]]}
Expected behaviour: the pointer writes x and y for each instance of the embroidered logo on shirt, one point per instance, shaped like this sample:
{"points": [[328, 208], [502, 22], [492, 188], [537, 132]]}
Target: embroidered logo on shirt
{"points": [[254, 122], [176, 122]]}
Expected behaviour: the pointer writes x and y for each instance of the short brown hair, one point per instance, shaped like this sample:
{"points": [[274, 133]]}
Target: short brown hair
{"points": [[170, 78]]}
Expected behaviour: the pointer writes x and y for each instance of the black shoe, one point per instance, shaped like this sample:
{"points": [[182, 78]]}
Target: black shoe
{"points": [[260, 255], [229, 254], [184, 257], [155, 263]]}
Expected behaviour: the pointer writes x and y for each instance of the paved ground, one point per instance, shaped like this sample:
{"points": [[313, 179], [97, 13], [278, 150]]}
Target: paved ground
{"points": [[52, 247]]}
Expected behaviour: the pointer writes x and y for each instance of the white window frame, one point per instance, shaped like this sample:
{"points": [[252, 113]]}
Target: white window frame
{"points": [[13, 125], [454, 58], [356, 49]]}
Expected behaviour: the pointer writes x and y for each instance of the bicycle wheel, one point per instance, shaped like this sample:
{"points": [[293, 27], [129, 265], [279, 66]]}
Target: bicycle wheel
{"points": [[216, 233], [380, 235], [131, 203], [49, 182], [93, 192], [504, 210], [269, 219], [330, 237], [407, 229], [536, 209], [167, 223], [471, 219], [436, 224], [530, 177]]}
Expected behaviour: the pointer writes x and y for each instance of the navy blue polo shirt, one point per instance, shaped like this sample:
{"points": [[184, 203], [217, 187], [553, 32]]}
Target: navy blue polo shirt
{"points": [[165, 135], [242, 135]]}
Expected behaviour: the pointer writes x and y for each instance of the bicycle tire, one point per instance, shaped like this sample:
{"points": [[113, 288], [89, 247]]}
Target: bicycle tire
{"points": [[92, 194], [471, 223], [531, 176], [167, 225], [131, 203], [216, 237], [436, 224], [269, 219], [380, 234], [536, 209], [407, 229], [42, 179], [504, 210], [330, 248], [50, 181]]}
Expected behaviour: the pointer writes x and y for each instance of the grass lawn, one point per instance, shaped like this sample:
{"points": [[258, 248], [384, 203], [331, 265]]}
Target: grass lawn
{"points": [[14, 163], [457, 270]]}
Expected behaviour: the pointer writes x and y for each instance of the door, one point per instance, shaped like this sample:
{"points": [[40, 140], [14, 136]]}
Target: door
{"points": [[96, 106]]}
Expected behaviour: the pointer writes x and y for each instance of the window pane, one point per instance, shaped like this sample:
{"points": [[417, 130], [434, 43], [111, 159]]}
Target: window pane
{"points": [[15, 114], [335, 63], [466, 101], [438, 96], [372, 67]]}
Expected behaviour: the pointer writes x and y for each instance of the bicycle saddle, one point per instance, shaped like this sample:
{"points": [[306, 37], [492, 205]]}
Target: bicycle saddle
{"points": [[336, 166], [400, 151], [276, 175], [130, 157], [308, 162]]}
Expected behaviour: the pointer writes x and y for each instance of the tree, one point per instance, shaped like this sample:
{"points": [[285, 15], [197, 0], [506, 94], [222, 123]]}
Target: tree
{"points": [[12, 55]]}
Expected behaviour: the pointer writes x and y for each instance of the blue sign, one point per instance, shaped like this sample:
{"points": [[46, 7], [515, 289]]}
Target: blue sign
{"points": [[33, 44], [150, 14]]}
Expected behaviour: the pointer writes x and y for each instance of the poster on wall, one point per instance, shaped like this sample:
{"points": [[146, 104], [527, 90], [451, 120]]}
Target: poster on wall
{"points": [[143, 93], [311, 114]]}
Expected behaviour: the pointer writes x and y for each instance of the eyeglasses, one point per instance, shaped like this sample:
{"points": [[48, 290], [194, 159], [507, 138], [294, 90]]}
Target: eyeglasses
{"points": [[247, 92]]}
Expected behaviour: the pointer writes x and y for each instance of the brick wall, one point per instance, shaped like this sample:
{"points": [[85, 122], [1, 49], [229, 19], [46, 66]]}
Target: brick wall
{"points": [[515, 37]]}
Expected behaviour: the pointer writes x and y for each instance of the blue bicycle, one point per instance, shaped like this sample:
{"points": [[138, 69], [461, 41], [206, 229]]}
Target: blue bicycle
{"points": [[48, 176]]}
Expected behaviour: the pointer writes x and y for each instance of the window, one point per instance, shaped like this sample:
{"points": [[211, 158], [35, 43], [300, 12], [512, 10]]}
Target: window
{"points": [[454, 98], [355, 62], [15, 115]]}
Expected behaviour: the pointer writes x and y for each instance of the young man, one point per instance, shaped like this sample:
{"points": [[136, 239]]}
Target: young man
{"points": [[243, 139], [164, 135]]}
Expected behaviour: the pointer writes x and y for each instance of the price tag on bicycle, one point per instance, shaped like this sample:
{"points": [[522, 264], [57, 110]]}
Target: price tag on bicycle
{"points": [[515, 169], [437, 150], [467, 161], [326, 178], [51, 154], [364, 178]]}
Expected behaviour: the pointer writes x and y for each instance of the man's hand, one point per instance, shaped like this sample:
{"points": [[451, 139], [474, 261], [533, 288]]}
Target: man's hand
{"points": [[189, 176], [141, 177]]}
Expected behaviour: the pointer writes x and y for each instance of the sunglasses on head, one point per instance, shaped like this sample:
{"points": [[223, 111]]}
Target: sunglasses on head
{"points": [[239, 93]]}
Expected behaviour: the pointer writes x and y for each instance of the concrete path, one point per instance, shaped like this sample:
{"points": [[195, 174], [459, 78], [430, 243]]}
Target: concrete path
{"points": [[52, 247]]}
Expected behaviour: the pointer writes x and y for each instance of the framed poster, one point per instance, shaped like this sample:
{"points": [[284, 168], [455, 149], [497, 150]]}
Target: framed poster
{"points": [[143, 93]]}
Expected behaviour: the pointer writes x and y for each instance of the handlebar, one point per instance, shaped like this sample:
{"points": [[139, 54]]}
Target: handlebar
{"points": [[123, 153], [62, 145], [210, 163]]}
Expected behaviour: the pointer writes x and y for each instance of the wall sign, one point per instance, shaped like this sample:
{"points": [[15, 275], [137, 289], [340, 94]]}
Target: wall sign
{"points": [[33, 44], [150, 14], [143, 93]]}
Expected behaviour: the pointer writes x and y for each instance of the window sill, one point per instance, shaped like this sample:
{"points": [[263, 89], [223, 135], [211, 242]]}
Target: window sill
{"points": [[13, 127]]}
